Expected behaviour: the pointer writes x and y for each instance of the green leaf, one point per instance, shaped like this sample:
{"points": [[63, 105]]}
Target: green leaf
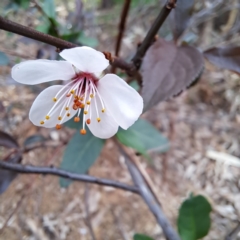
{"points": [[134, 84], [138, 236], [24, 4], [80, 154], [49, 8], [44, 27], [194, 218], [88, 41], [72, 36], [4, 60], [143, 137]]}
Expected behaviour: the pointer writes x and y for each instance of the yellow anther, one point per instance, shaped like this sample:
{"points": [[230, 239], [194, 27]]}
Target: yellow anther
{"points": [[91, 95], [103, 110], [88, 102], [76, 97], [66, 108], [47, 117], [59, 118], [72, 91], [83, 131], [68, 114], [85, 112], [77, 119], [98, 119], [81, 98], [42, 122], [54, 99]]}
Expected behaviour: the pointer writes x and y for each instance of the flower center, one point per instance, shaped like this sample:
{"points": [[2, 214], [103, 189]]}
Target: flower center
{"points": [[75, 97]]}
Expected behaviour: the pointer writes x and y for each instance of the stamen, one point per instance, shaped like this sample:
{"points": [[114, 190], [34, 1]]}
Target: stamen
{"points": [[99, 96], [54, 106], [82, 105], [85, 112], [59, 118], [88, 121], [103, 110], [72, 91], [88, 102], [42, 122], [47, 117], [75, 107], [77, 119], [83, 131], [91, 95], [71, 82], [58, 126], [95, 103], [54, 99], [68, 103], [98, 119], [80, 89]]}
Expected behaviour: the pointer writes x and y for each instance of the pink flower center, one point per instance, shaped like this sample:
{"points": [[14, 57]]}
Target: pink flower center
{"points": [[78, 95]]}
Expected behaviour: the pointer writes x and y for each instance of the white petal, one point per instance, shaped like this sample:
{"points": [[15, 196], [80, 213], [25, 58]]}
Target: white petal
{"points": [[86, 59], [38, 71], [42, 105], [121, 100], [106, 128]]}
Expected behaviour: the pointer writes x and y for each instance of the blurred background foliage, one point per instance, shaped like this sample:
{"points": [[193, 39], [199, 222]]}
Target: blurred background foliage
{"points": [[207, 117]]}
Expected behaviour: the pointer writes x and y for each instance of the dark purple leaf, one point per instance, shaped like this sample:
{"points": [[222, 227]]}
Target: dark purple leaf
{"points": [[228, 57], [7, 141], [180, 16], [6, 177], [167, 70]]}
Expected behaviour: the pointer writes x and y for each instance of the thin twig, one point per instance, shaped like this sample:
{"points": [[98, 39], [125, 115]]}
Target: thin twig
{"points": [[148, 40], [117, 214], [88, 218], [233, 234], [122, 24], [12, 213], [28, 169], [121, 28]]}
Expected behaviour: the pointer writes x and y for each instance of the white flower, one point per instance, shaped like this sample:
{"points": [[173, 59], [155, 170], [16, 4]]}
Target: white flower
{"points": [[107, 103]]}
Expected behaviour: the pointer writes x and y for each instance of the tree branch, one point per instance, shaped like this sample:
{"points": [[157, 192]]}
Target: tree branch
{"points": [[148, 40], [13, 27], [130, 68], [150, 200], [28, 169], [121, 26], [148, 196]]}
